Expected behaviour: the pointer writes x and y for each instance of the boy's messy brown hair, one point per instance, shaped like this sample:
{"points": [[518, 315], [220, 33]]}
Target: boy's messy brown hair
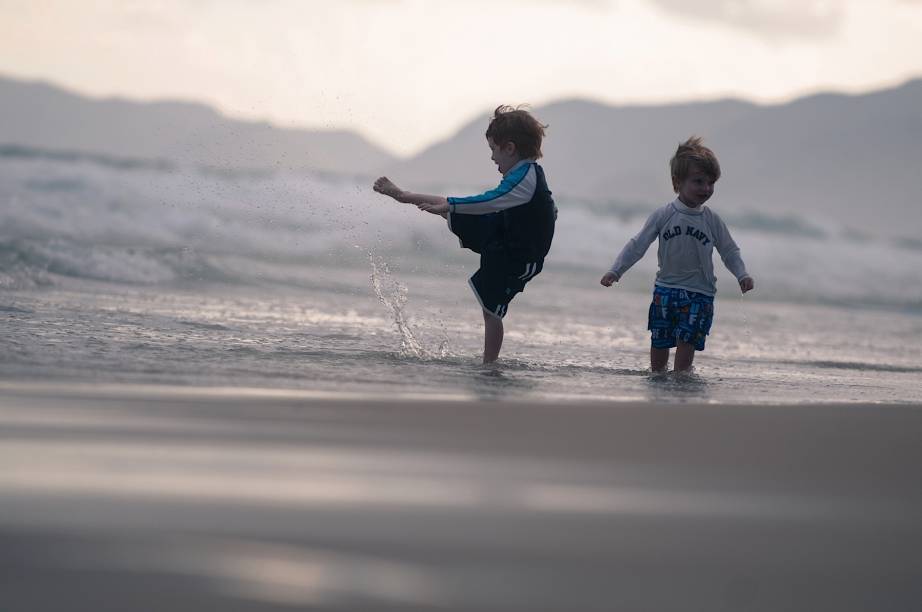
{"points": [[516, 125], [693, 153]]}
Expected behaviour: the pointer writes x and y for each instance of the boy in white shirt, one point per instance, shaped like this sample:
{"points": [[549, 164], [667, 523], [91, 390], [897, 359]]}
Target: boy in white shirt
{"points": [[683, 298]]}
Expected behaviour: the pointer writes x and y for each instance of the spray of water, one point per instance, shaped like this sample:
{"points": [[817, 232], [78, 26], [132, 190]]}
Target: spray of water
{"points": [[393, 295], [744, 308]]}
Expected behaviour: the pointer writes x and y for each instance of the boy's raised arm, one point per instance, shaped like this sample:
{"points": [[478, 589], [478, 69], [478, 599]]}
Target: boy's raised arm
{"points": [[516, 188]]}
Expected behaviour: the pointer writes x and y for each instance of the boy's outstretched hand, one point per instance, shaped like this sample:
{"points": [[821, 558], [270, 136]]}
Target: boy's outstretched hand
{"points": [[747, 284], [387, 187], [608, 279]]}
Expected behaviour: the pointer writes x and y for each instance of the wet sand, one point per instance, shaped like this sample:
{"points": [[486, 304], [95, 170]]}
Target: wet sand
{"points": [[146, 498]]}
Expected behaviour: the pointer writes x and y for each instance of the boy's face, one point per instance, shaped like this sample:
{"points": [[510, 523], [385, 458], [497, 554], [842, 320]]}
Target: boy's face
{"points": [[504, 156], [696, 188]]}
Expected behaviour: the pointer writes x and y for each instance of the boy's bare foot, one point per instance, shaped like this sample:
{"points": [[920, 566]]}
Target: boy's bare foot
{"points": [[387, 187]]}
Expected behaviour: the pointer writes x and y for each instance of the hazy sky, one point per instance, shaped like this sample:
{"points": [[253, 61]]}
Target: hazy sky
{"points": [[408, 72]]}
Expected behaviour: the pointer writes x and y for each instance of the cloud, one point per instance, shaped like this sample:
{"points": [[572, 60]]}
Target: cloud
{"points": [[770, 18], [601, 5], [592, 4]]}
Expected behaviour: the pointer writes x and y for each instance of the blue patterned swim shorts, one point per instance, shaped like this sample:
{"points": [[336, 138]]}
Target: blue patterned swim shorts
{"points": [[678, 314]]}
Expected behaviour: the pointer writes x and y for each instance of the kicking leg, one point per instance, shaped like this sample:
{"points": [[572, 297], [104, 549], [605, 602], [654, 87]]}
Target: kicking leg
{"points": [[684, 356], [492, 337], [659, 358]]}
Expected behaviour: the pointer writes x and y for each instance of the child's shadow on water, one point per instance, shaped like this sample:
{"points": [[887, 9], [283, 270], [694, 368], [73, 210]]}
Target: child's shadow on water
{"points": [[680, 386], [497, 381]]}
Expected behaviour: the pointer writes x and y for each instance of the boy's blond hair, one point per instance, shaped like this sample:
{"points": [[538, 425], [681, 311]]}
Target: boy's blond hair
{"points": [[693, 153], [518, 126]]}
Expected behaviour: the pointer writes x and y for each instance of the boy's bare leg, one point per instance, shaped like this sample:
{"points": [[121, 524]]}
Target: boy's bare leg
{"points": [[492, 337], [684, 356], [659, 359]]}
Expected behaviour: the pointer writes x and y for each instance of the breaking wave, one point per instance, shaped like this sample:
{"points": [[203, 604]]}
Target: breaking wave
{"points": [[100, 218]]}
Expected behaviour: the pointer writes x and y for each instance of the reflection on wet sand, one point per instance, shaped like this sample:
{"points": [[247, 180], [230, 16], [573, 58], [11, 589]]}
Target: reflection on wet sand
{"points": [[185, 499]]}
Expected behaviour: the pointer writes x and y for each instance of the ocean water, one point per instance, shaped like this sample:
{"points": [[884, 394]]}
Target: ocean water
{"points": [[213, 277]]}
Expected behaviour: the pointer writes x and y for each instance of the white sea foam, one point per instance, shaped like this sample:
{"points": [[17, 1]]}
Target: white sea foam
{"points": [[152, 225]]}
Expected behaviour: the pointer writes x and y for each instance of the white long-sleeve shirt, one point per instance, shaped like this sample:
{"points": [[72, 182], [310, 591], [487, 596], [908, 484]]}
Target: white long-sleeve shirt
{"points": [[687, 239], [517, 188]]}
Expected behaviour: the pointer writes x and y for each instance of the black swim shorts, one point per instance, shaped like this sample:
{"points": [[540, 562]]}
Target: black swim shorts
{"points": [[499, 279]]}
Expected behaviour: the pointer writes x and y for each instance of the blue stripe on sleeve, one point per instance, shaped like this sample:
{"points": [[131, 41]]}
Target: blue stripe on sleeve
{"points": [[508, 183]]}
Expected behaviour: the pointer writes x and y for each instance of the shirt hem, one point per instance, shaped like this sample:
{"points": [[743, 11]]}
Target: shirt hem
{"points": [[708, 292]]}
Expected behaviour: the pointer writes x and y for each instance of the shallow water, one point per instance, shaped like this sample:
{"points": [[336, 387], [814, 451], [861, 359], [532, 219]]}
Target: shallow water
{"points": [[428, 342]]}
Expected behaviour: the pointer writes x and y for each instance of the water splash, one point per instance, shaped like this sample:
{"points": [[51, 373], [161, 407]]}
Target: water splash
{"points": [[743, 307], [393, 295]]}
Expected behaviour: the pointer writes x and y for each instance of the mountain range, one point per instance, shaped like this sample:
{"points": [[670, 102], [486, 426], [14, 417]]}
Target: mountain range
{"points": [[854, 158], [44, 116]]}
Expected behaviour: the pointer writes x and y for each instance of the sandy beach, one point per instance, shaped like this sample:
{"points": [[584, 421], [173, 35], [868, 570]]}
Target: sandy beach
{"points": [[155, 498]]}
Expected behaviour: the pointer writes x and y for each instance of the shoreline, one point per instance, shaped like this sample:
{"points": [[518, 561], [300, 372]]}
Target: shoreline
{"points": [[40, 386]]}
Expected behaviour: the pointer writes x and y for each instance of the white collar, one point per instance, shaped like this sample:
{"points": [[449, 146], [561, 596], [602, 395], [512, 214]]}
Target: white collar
{"points": [[518, 164], [681, 207]]}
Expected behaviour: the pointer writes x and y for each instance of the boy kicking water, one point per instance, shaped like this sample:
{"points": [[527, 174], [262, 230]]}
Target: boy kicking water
{"points": [[511, 226], [688, 232]]}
